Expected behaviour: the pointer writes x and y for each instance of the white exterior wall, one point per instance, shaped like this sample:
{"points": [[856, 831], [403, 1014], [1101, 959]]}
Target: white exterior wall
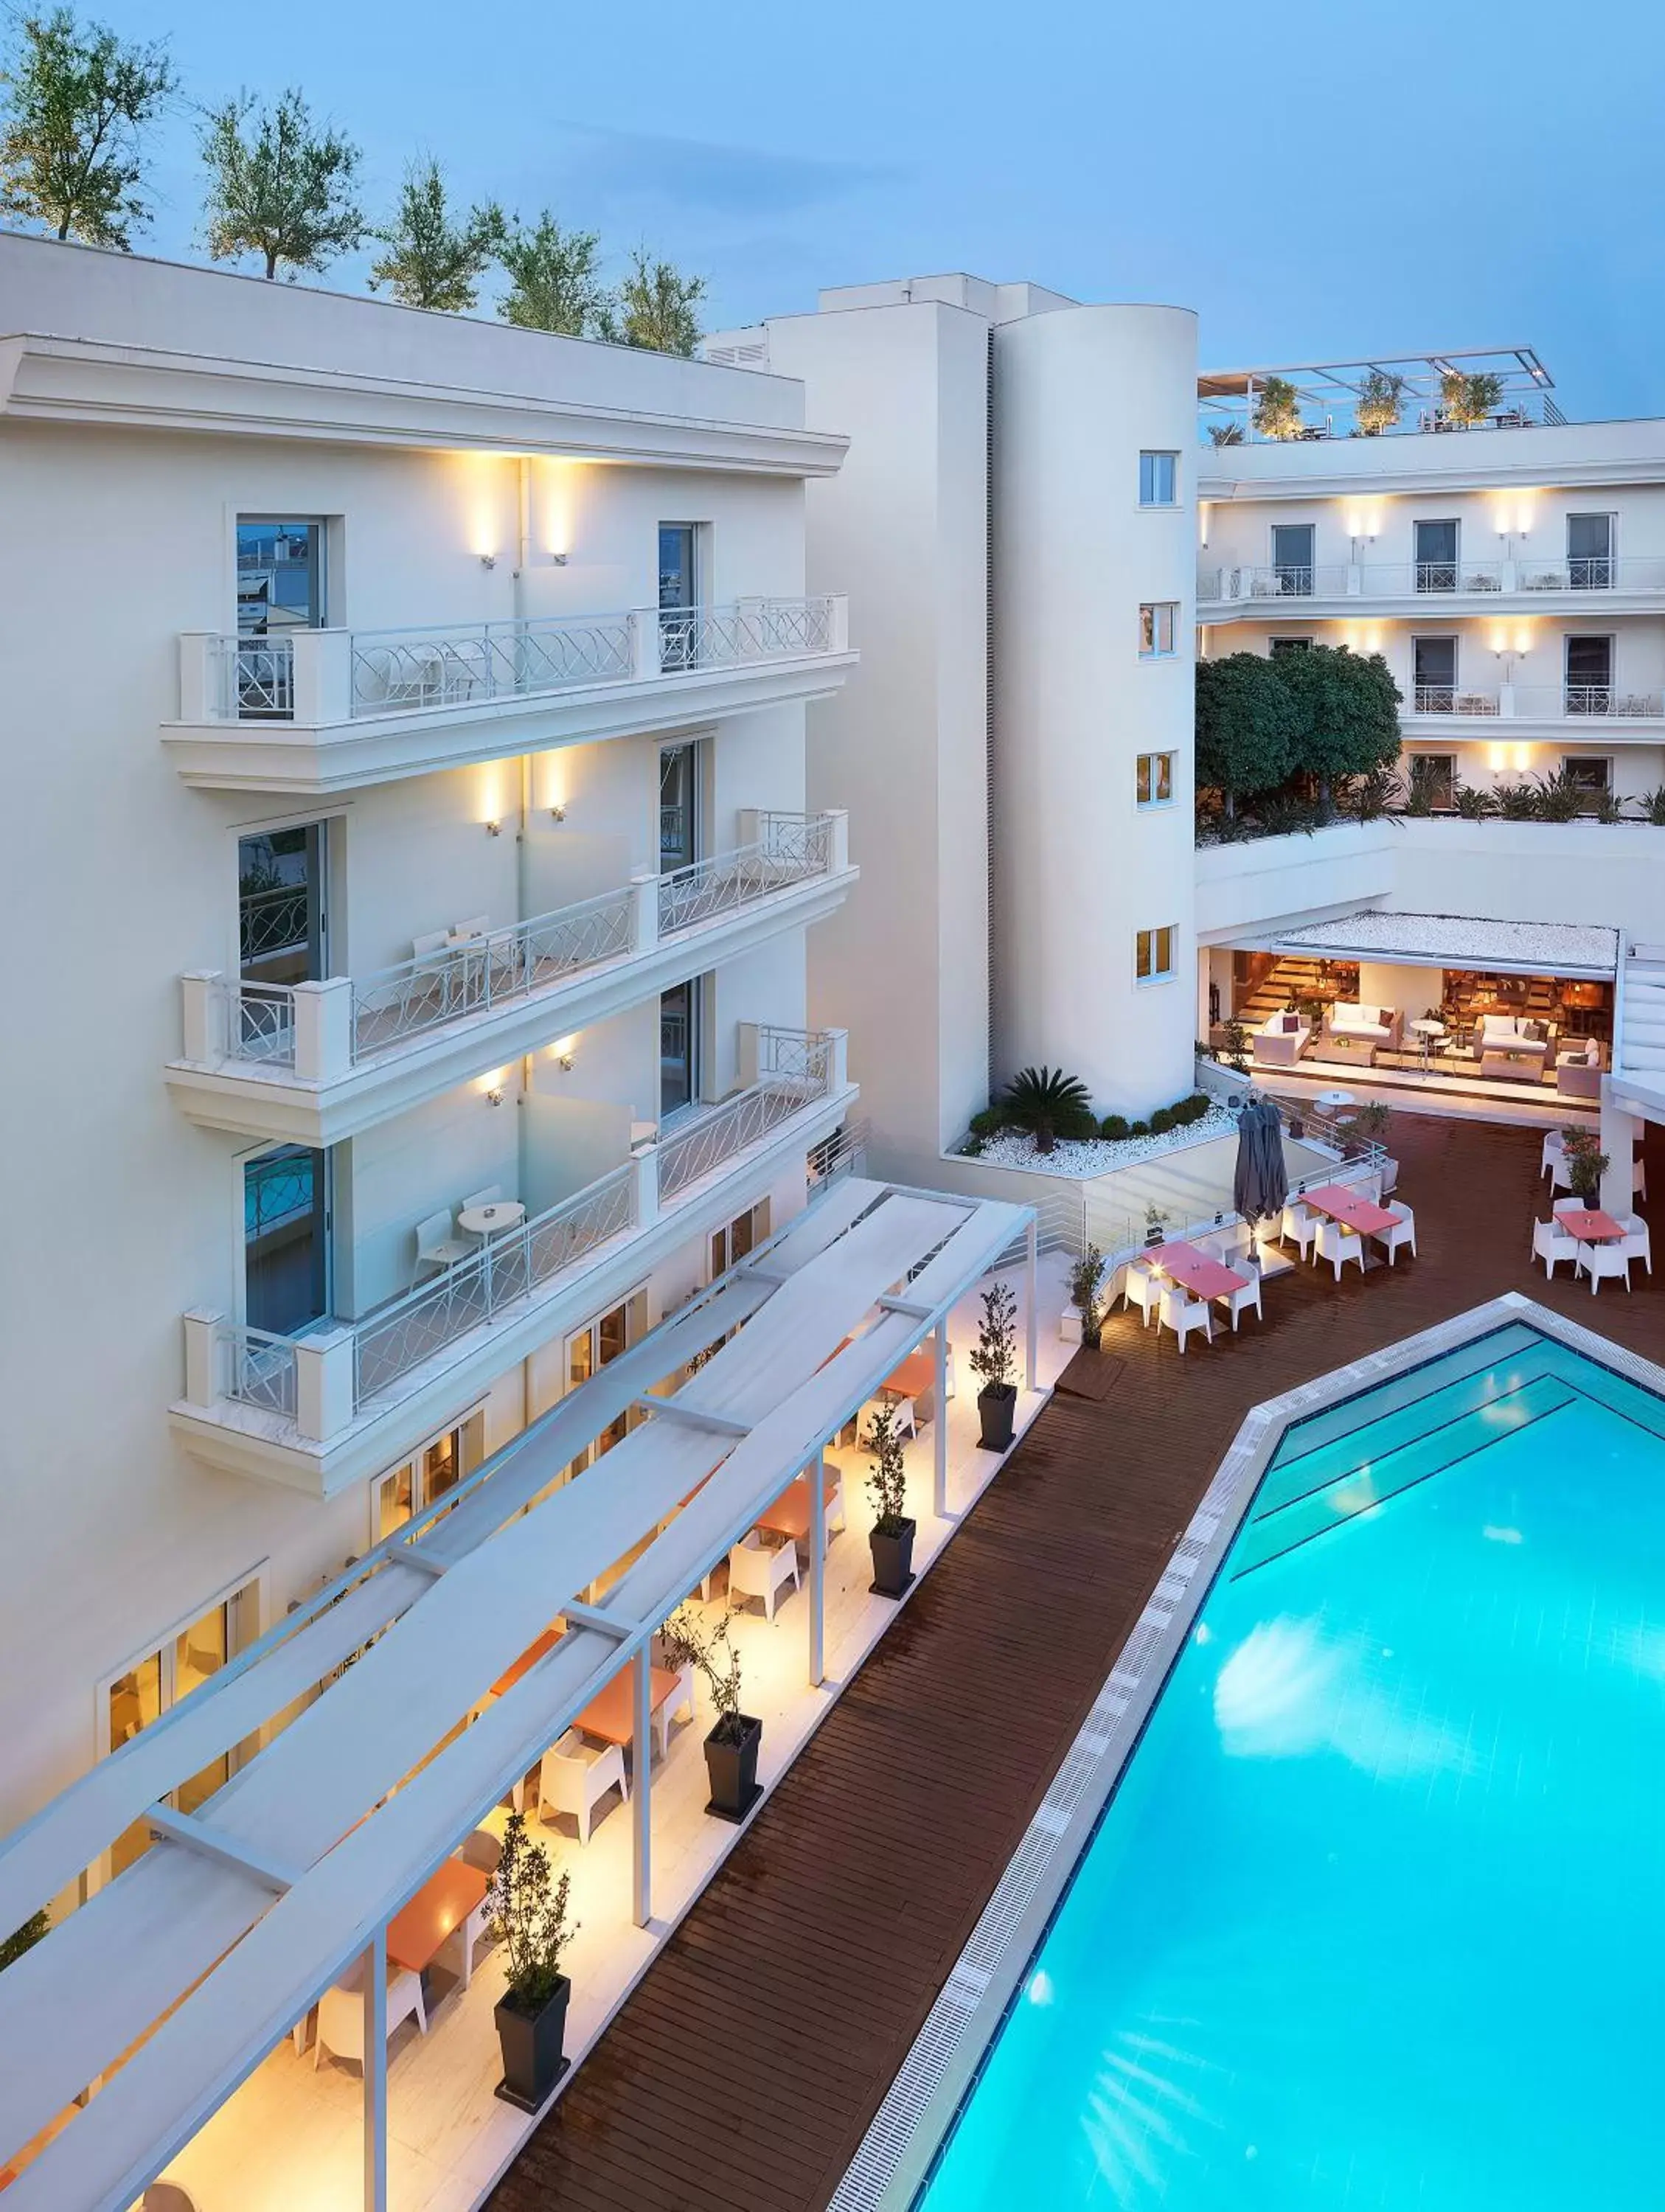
{"points": [[122, 1215], [1078, 867], [905, 965]]}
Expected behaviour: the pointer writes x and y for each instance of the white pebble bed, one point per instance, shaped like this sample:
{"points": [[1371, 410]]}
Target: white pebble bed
{"points": [[1080, 1157]]}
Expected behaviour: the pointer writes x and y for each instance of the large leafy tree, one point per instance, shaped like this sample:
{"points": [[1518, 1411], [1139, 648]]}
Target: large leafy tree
{"points": [[1346, 706], [431, 258], [1247, 725], [656, 306], [77, 102], [285, 188], [555, 279]]}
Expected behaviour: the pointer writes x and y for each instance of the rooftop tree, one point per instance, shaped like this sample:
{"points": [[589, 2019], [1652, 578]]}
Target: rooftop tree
{"points": [[1346, 708], [76, 103], [1247, 725], [656, 306], [555, 281], [286, 190], [432, 258]]}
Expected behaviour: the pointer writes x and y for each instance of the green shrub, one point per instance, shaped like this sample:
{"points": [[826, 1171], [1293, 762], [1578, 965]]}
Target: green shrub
{"points": [[1049, 1104], [988, 1123], [1114, 1127], [1162, 1121], [1138, 1129], [973, 1146]]}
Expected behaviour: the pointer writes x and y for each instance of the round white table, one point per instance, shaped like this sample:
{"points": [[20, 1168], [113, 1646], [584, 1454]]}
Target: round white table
{"points": [[491, 1220], [1427, 1035], [1334, 1100]]}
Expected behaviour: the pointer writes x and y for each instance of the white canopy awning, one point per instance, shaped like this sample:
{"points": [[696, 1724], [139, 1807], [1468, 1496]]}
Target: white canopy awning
{"points": [[340, 1802]]}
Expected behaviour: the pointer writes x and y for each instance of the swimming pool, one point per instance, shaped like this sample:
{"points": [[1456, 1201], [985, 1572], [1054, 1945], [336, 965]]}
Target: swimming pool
{"points": [[1375, 1917]]}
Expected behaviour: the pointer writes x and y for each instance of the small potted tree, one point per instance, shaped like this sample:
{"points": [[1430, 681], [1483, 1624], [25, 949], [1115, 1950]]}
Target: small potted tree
{"points": [[1155, 1224], [1586, 1164], [1278, 409], [994, 1362], [730, 1748], [891, 1536], [529, 1914], [1368, 1125], [1086, 1280]]}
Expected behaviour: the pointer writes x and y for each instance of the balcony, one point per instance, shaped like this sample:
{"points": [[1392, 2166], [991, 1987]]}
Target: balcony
{"points": [[1567, 709], [319, 1411], [313, 1063], [1580, 585], [316, 711]]}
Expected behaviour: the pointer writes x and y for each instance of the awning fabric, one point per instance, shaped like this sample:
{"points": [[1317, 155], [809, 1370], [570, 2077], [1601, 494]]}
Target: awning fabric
{"points": [[68, 2007]]}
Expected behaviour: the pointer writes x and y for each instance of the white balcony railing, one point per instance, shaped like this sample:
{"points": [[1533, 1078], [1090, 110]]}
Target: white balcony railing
{"points": [[317, 1384], [1422, 580], [1446, 699], [322, 1030], [1541, 702], [334, 676]]}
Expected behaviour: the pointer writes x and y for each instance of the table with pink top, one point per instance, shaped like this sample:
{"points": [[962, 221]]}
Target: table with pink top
{"points": [[1200, 1273], [1589, 1226], [1350, 1208]]}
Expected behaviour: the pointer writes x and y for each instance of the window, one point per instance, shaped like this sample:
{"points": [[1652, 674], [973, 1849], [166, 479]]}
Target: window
{"points": [[154, 1683], [1588, 675], [680, 593], [680, 1048], [597, 1346], [1589, 553], [1289, 645], [680, 779], [1292, 561], [1155, 779], [1433, 777], [1158, 479], [1434, 675], [743, 1234], [280, 575], [437, 1467], [1153, 955], [1156, 630], [1593, 777], [1436, 557], [286, 1239]]}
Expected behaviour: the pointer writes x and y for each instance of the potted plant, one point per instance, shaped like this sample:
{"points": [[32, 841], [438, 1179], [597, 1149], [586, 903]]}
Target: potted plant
{"points": [[995, 1363], [1466, 400], [1278, 409], [1379, 402], [1586, 1164], [1236, 1050], [529, 1915], [1086, 1280], [1368, 1125], [891, 1536], [730, 1748], [1156, 1224]]}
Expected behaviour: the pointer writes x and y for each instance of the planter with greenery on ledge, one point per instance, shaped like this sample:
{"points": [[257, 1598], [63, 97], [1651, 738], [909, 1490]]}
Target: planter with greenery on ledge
{"points": [[1083, 1322], [731, 1746], [529, 1914], [891, 1536], [994, 1362]]}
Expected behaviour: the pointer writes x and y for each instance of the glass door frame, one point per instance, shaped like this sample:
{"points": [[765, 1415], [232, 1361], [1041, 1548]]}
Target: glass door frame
{"points": [[324, 1209], [1436, 573], [1295, 578]]}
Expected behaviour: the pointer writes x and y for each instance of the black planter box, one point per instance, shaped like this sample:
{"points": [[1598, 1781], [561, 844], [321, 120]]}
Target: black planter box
{"points": [[997, 1409], [893, 1561], [732, 1771], [531, 2045]]}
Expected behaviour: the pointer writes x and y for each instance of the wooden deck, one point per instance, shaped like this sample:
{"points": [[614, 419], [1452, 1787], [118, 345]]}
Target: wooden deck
{"points": [[746, 2067]]}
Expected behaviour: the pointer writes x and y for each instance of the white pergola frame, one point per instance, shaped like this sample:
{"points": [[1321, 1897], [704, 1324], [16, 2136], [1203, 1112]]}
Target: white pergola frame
{"points": [[205, 1952]]}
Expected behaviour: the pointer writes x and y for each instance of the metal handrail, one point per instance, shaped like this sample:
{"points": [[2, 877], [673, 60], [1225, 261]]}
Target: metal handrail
{"points": [[1605, 702], [251, 678], [408, 1330], [794, 1070], [395, 669], [792, 848], [750, 629], [1446, 699], [259, 1368]]}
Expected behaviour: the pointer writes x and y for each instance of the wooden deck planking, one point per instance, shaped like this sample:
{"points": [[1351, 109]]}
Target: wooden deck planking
{"points": [[744, 2069]]}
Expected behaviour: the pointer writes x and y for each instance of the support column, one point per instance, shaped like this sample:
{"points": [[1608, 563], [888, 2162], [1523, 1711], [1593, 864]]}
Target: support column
{"points": [[1618, 1141], [1031, 1284], [816, 1478], [641, 1823], [375, 2073], [939, 1442]]}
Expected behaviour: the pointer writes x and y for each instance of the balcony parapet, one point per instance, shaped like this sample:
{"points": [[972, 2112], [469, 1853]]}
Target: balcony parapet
{"points": [[1587, 583]]}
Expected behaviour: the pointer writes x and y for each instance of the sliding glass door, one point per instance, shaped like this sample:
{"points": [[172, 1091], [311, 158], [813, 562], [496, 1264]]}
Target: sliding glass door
{"points": [[286, 1239]]}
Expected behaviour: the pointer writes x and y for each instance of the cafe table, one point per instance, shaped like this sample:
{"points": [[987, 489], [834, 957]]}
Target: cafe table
{"points": [[1199, 1273], [451, 1899], [609, 1717], [1590, 1225], [788, 1515]]}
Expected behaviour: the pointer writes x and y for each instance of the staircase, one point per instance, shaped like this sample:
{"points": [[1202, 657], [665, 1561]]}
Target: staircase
{"points": [[1280, 987], [1638, 1056]]}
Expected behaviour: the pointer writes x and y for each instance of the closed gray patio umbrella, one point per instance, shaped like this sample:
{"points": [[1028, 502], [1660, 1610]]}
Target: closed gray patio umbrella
{"points": [[1261, 1183]]}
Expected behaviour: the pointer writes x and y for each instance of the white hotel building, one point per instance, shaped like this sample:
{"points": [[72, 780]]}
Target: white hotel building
{"points": [[441, 826]]}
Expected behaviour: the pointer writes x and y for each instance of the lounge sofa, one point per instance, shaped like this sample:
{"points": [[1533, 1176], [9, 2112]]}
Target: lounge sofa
{"points": [[1514, 1045], [1578, 1068], [1280, 1039], [1358, 1026]]}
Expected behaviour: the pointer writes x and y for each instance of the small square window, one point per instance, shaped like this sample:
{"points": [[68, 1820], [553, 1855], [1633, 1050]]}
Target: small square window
{"points": [[1155, 785], [1593, 778], [1289, 645], [1153, 955], [1158, 479], [1157, 624]]}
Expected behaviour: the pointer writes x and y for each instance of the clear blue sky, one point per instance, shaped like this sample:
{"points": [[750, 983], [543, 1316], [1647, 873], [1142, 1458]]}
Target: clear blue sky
{"points": [[1320, 178]]}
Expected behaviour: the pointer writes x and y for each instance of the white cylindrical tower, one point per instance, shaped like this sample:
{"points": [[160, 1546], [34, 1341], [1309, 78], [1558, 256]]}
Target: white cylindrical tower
{"points": [[1094, 561]]}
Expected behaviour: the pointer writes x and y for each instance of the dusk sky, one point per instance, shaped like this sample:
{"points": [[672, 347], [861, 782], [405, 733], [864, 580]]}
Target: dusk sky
{"points": [[1320, 180]]}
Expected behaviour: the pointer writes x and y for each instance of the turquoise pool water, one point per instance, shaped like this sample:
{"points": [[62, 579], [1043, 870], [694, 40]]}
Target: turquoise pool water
{"points": [[1376, 1916]]}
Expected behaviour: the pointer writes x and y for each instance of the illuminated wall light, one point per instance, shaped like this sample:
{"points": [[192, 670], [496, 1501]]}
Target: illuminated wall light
{"points": [[1524, 638], [1499, 640], [1497, 758], [564, 1052], [557, 812], [1522, 757], [493, 1088], [1523, 519], [1203, 506], [559, 497], [494, 828]]}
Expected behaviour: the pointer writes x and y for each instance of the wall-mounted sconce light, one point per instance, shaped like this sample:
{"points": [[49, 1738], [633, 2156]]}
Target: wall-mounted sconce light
{"points": [[494, 828], [565, 1062], [495, 1097], [559, 560], [488, 560], [557, 812]]}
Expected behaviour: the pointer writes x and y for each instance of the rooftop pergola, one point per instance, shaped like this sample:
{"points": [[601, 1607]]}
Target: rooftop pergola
{"points": [[194, 1962], [1329, 391]]}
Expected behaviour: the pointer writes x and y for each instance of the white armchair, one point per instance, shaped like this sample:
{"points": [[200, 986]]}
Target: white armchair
{"points": [[1552, 1244], [574, 1779], [1604, 1263], [439, 1247], [1402, 1232], [1337, 1245], [681, 1700], [1141, 1288], [341, 2014], [1182, 1314], [754, 1571], [1237, 1301], [1300, 1224], [1635, 1246]]}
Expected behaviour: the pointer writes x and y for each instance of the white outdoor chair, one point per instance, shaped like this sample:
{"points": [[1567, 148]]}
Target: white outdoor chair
{"points": [[483, 1848], [1635, 1246], [1141, 1288], [1638, 1178], [754, 1571], [903, 1420], [477, 925], [1552, 1244], [1553, 1151], [459, 1943], [1402, 1232], [571, 1779], [835, 1516], [1298, 1224], [488, 1196], [1603, 1263], [1182, 1314], [1573, 1205], [1337, 1245], [681, 1700], [439, 1247], [1236, 1302], [341, 2014], [1556, 1172]]}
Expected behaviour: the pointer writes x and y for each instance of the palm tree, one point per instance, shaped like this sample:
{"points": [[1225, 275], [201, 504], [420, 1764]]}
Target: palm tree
{"points": [[1048, 1104]]}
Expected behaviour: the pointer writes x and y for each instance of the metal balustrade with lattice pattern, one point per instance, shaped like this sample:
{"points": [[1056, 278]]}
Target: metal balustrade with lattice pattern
{"points": [[792, 848], [794, 1070], [393, 670]]}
